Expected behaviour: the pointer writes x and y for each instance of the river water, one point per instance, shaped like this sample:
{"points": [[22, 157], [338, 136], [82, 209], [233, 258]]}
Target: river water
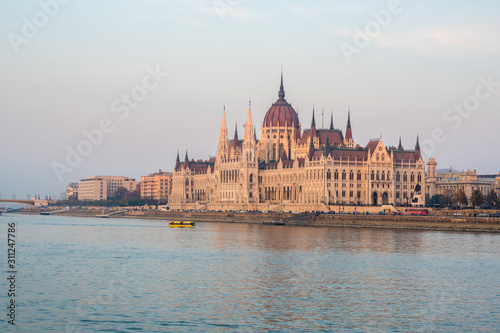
{"points": [[127, 275]]}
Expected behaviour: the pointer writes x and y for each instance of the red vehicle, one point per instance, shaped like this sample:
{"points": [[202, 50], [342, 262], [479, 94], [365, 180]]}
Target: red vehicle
{"points": [[418, 211]]}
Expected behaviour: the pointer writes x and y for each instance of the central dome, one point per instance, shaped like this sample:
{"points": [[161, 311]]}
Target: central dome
{"points": [[281, 113]]}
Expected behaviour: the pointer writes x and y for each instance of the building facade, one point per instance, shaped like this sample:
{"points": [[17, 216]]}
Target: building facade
{"points": [[288, 169], [450, 181], [103, 187], [72, 191], [497, 184], [156, 186]]}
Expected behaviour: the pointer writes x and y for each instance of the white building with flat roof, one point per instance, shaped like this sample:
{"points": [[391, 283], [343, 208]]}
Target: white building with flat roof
{"points": [[103, 187]]}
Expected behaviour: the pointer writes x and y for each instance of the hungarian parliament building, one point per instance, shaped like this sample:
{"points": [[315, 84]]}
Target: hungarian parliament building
{"points": [[290, 169]]}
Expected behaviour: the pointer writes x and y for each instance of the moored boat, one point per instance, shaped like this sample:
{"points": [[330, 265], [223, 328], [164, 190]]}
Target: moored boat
{"points": [[181, 224]]}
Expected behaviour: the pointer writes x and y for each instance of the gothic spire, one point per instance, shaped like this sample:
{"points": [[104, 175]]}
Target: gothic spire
{"points": [[331, 121], [281, 93], [177, 161], [249, 131], [418, 155], [348, 131], [400, 146], [186, 159], [313, 126], [236, 131]]}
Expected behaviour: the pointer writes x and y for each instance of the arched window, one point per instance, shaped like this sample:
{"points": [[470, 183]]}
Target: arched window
{"points": [[412, 177], [336, 176], [343, 175], [383, 175], [359, 175], [405, 177], [398, 177], [373, 175], [388, 175], [328, 174], [251, 178], [351, 175], [419, 177]]}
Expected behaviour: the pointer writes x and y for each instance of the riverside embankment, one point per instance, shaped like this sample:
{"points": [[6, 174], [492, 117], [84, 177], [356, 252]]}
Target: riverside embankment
{"points": [[442, 223]]}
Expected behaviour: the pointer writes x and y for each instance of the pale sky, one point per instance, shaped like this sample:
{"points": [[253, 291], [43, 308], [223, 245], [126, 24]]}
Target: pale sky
{"points": [[66, 65]]}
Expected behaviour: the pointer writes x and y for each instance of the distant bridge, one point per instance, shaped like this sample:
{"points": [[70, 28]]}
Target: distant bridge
{"points": [[34, 203]]}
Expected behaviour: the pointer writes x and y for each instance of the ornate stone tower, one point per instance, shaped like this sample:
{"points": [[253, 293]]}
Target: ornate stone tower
{"points": [[249, 162], [280, 129]]}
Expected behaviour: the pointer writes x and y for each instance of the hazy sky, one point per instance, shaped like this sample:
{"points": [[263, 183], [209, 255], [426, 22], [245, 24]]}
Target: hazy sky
{"points": [[405, 68]]}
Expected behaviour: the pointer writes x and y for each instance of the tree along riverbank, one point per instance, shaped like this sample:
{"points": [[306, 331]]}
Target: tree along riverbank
{"points": [[441, 223]]}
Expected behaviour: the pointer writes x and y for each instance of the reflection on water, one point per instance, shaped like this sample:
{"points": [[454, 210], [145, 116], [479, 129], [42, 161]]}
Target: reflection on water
{"points": [[138, 275]]}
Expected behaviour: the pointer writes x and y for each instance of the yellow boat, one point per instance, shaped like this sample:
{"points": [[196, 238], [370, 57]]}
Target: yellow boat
{"points": [[181, 224]]}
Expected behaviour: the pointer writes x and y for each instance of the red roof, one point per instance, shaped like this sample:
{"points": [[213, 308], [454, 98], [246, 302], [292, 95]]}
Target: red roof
{"points": [[372, 145], [335, 137], [405, 156], [281, 114]]}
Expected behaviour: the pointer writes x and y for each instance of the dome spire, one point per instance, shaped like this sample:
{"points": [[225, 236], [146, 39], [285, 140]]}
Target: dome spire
{"points": [[281, 93]]}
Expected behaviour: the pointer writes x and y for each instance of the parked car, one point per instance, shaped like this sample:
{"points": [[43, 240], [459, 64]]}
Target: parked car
{"points": [[482, 215], [495, 214], [342, 212], [381, 213], [457, 214], [397, 213]]}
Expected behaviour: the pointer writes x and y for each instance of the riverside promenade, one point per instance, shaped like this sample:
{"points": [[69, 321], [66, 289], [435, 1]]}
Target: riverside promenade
{"points": [[438, 222]]}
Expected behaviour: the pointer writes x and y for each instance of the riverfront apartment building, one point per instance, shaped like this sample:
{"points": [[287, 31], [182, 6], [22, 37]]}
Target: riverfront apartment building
{"points": [[293, 170], [103, 187], [72, 191], [497, 184], [156, 186], [449, 181]]}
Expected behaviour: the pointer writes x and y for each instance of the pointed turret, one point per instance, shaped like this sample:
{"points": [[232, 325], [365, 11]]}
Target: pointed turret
{"points": [[222, 149], [418, 155], [348, 141], [331, 121], [235, 139], [281, 93], [186, 160], [348, 131], [249, 138], [313, 126], [400, 146], [177, 161]]}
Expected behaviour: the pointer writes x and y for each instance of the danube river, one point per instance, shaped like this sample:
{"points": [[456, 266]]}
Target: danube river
{"points": [[126, 275]]}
